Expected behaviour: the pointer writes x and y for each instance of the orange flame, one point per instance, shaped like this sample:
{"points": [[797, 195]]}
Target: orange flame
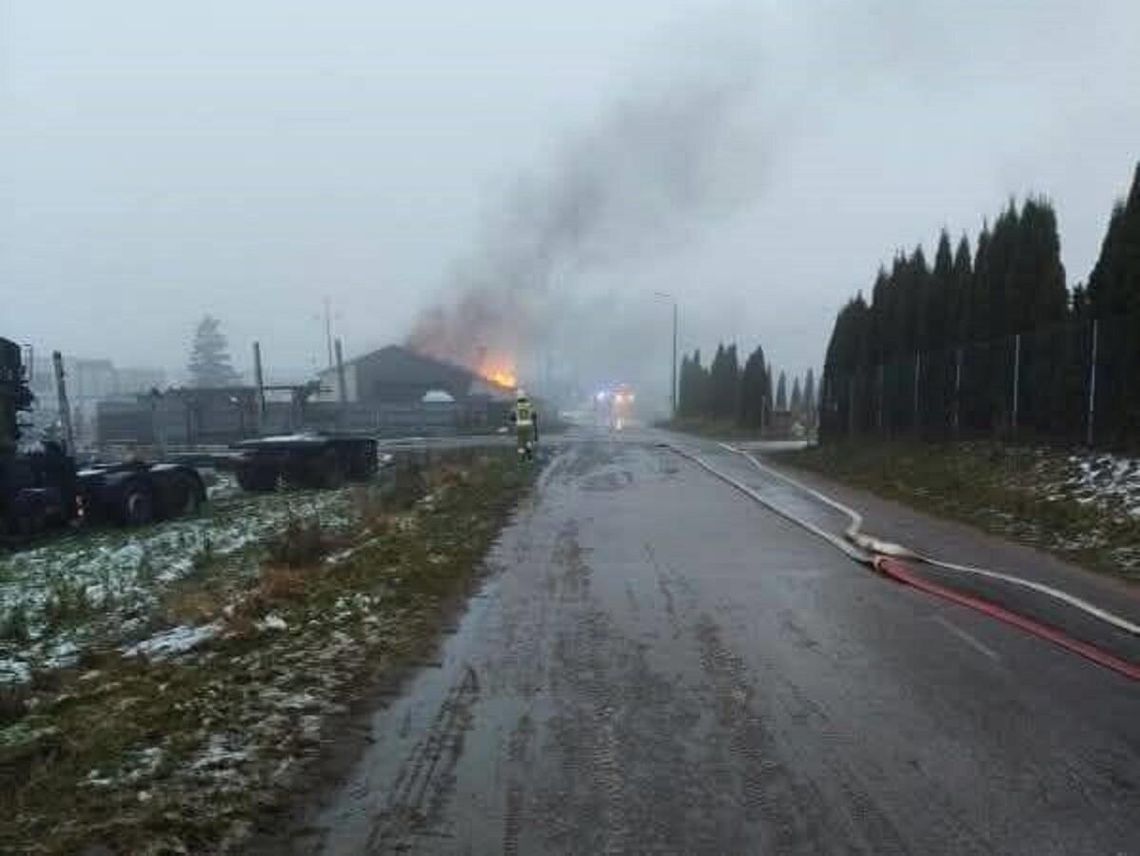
{"points": [[499, 371]]}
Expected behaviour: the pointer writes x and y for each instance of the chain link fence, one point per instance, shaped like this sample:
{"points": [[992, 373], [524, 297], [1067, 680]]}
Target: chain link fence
{"points": [[1072, 382]]}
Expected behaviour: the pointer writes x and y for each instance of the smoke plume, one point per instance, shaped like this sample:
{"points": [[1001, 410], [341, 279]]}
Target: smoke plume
{"points": [[670, 154]]}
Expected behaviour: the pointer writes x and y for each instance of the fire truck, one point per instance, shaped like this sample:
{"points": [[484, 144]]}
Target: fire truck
{"points": [[613, 406]]}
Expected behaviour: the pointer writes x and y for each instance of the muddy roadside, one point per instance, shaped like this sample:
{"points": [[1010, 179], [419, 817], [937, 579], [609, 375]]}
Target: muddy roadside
{"points": [[199, 748]]}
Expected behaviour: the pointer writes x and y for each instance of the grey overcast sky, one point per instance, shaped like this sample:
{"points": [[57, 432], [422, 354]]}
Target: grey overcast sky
{"points": [[162, 160]]}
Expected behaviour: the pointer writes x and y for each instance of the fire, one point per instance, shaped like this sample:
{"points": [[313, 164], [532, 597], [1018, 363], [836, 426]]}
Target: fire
{"points": [[503, 378], [499, 372]]}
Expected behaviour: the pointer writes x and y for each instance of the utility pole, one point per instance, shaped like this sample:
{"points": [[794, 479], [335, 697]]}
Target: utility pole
{"points": [[673, 363], [328, 331], [342, 385], [259, 382], [673, 381], [64, 407]]}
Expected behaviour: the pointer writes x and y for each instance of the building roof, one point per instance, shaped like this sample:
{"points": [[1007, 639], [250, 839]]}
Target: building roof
{"points": [[399, 364]]}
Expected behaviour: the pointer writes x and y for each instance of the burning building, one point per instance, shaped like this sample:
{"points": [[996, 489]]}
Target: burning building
{"points": [[399, 375]]}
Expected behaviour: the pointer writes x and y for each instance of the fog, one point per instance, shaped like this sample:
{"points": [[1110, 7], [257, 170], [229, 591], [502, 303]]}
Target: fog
{"points": [[541, 170]]}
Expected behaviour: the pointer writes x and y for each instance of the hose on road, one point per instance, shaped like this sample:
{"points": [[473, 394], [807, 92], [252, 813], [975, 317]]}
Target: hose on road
{"points": [[897, 570], [879, 547], [886, 558]]}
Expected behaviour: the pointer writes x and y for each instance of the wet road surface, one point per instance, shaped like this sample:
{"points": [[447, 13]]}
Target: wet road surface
{"points": [[658, 665]]}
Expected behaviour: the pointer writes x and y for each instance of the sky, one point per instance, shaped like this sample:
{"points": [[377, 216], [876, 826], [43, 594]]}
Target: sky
{"points": [[557, 166]]}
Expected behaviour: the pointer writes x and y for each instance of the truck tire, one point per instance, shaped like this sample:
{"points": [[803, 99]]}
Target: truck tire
{"points": [[191, 495], [257, 479], [136, 504], [331, 473]]}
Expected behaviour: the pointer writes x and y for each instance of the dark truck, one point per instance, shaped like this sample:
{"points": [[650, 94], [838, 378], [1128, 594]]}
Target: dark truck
{"points": [[42, 488], [304, 460]]}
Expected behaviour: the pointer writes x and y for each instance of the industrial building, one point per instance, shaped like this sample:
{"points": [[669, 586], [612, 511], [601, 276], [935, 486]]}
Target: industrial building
{"points": [[392, 391]]}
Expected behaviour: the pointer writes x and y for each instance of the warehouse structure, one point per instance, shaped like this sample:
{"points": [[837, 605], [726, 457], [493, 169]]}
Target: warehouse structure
{"points": [[391, 391]]}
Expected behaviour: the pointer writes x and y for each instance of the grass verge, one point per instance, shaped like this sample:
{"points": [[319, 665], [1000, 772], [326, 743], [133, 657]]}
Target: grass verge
{"points": [[181, 752], [1035, 495]]}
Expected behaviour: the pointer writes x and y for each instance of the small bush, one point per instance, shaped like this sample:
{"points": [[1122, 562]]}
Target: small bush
{"points": [[67, 603], [301, 545], [13, 703], [14, 625], [203, 556], [277, 585]]}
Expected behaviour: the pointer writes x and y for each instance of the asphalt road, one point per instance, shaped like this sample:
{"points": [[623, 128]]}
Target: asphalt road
{"points": [[658, 665]]}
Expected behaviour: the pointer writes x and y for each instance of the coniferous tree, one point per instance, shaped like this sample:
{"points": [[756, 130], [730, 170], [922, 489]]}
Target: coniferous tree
{"points": [[1114, 301], [209, 356], [977, 327], [963, 322], [940, 312], [755, 390], [782, 393]]}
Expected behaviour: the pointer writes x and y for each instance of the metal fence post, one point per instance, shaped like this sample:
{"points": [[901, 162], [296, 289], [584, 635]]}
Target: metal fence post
{"points": [[882, 396], [1016, 377], [851, 406], [957, 391], [917, 373], [1092, 384]]}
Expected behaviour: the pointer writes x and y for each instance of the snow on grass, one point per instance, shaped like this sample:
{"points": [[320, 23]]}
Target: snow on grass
{"points": [[176, 640], [106, 584], [1111, 482]]}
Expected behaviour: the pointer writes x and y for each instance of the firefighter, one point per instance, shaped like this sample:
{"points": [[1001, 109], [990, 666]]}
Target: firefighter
{"points": [[525, 418]]}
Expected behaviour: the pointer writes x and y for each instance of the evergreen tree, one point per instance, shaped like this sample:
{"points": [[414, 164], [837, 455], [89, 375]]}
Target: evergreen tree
{"points": [[724, 381], [1035, 279], [962, 326], [978, 320], [797, 403], [845, 400], [694, 384], [684, 387], [942, 299], [782, 393], [1114, 301], [755, 390], [209, 356]]}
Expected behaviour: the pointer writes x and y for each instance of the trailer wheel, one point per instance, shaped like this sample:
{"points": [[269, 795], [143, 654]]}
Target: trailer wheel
{"points": [[192, 496], [137, 505], [330, 474], [257, 479]]}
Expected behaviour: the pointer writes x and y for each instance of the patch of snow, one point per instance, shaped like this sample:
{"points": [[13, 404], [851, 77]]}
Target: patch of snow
{"points": [[117, 577], [272, 622], [13, 671], [177, 640], [218, 754]]}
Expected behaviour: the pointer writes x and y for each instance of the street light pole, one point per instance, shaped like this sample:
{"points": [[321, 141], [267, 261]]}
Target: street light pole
{"points": [[673, 364], [673, 380]]}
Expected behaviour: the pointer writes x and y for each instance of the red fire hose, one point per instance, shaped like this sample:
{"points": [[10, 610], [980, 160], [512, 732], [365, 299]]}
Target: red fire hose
{"points": [[900, 572]]}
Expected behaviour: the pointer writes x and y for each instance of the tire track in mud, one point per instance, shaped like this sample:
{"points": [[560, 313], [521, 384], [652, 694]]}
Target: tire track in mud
{"points": [[789, 810], [518, 755], [812, 805], [426, 775]]}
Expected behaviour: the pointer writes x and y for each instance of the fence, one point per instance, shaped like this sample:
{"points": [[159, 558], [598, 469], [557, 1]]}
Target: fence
{"points": [[1073, 382]]}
